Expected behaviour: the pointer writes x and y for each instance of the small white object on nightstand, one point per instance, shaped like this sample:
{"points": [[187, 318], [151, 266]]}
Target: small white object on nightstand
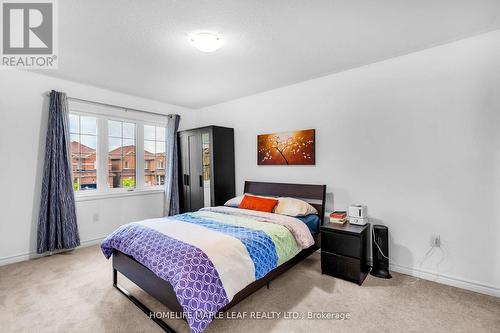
{"points": [[358, 214]]}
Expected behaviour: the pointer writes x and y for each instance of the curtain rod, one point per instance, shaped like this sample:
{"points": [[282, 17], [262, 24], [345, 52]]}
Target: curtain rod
{"points": [[117, 106]]}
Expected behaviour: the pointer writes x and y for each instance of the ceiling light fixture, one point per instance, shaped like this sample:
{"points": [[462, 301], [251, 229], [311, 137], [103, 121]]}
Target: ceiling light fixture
{"points": [[206, 41]]}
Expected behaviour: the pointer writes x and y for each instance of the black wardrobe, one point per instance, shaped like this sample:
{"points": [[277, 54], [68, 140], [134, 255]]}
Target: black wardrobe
{"points": [[206, 157]]}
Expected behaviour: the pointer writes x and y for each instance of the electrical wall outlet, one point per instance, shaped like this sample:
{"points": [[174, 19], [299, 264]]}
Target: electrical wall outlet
{"points": [[436, 241], [95, 217]]}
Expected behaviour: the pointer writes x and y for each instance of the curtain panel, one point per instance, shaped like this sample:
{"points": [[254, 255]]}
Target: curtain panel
{"points": [[57, 227]]}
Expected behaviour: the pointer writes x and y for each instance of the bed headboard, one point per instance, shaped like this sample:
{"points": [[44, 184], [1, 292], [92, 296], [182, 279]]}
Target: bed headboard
{"points": [[313, 194]]}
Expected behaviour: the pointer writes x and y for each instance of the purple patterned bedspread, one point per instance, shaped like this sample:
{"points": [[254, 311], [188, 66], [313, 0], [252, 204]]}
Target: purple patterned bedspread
{"points": [[190, 272]]}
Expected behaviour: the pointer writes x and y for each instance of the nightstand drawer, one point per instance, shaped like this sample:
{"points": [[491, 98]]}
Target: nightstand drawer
{"points": [[341, 267], [340, 243]]}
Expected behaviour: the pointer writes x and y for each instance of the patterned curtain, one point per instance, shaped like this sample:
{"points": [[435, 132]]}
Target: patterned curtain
{"points": [[171, 206], [57, 228]]}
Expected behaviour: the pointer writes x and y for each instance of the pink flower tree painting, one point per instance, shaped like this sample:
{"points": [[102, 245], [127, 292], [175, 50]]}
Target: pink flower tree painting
{"points": [[288, 148]]}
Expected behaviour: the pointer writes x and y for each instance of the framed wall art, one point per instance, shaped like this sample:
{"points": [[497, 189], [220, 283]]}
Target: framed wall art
{"points": [[287, 148]]}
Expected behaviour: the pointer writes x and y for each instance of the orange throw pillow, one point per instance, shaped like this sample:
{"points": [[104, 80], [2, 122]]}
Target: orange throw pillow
{"points": [[258, 203]]}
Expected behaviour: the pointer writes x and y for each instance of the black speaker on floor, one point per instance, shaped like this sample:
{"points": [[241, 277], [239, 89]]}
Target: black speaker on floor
{"points": [[380, 252]]}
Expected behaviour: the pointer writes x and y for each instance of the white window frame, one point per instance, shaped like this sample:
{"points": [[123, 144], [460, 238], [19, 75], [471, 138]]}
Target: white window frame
{"points": [[137, 124], [103, 114], [157, 187], [97, 158]]}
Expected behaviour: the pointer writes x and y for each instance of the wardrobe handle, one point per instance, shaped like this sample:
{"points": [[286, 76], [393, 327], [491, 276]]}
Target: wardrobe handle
{"points": [[201, 181], [186, 179]]}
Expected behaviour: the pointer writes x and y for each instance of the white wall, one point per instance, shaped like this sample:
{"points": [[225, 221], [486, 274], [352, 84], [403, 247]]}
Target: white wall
{"points": [[416, 138], [23, 124]]}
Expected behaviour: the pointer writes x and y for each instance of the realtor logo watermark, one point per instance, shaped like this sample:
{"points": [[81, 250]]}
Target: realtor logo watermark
{"points": [[29, 34]]}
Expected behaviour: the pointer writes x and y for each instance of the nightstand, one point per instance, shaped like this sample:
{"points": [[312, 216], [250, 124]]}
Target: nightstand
{"points": [[343, 251]]}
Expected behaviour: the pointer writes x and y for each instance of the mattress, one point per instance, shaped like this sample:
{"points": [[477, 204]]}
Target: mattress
{"points": [[210, 255]]}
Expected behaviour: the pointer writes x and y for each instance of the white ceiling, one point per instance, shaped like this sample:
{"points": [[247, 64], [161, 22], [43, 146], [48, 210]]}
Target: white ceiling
{"points": [[141, 48]]}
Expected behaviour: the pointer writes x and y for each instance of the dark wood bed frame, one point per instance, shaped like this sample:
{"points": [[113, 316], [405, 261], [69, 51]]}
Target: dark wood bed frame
{"points": [[163, 291]]}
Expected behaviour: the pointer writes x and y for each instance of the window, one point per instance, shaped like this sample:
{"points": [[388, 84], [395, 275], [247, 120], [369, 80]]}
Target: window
{"points": [[154, 155], [83, 137], [121, 154], [113, 151]]}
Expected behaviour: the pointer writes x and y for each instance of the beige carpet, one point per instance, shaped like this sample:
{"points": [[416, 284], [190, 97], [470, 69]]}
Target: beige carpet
{"points": [[72, 292]]}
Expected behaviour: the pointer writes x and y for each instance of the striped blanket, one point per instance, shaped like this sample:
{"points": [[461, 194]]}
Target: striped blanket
{"points": [[210, 255]]}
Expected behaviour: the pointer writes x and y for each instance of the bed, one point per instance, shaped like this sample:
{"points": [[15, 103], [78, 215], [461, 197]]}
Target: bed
{"points": [[228, 249]]}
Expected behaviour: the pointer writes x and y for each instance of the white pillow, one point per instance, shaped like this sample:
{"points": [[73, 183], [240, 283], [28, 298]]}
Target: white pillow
{"points": [[234, 202], [294, 207]]}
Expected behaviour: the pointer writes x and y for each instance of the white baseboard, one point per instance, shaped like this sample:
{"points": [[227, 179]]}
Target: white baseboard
{"points": [[447, 280], [34, 255]]}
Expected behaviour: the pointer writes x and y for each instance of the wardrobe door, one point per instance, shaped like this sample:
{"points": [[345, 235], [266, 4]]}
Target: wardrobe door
{"points": [[223, 165], [195, 171]]}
